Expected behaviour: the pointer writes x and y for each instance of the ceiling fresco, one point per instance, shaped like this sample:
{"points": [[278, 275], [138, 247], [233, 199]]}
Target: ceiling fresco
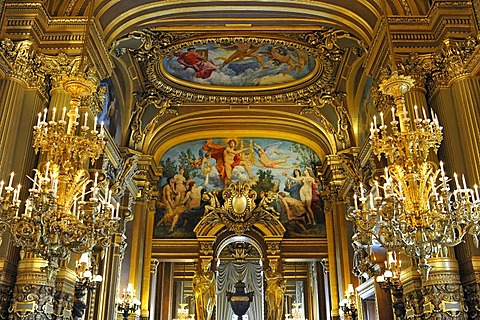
{"points": [[240, 64]]}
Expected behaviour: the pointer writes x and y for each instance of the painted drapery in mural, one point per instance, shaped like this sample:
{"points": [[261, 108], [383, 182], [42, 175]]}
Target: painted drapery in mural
{"points": [[284, 167]]}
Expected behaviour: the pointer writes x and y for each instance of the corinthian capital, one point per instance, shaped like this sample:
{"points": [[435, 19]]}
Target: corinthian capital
{"points": [[452, 60], [24, 62], [417, 67]]}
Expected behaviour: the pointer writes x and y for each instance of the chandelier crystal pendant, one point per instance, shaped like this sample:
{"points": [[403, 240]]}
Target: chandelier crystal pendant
{"points": [[413, 210], [61, 215]]}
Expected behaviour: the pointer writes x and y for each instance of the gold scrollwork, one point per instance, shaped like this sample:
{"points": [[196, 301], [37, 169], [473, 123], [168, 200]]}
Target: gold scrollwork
{"points": [[239, 212]]}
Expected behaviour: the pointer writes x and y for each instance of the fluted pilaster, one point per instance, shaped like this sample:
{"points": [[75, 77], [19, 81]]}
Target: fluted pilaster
{"points": [[466, 95], [12, 93]]}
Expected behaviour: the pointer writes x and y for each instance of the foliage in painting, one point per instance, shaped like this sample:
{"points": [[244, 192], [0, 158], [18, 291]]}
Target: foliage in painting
{"points": [[283, 167]]}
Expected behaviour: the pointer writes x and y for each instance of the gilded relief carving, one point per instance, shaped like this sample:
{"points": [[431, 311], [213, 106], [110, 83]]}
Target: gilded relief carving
{"points": [[239, 211]]}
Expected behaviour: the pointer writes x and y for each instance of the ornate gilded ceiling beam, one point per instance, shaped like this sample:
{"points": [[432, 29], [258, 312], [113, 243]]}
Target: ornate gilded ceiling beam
{"points": [[357, 18]]}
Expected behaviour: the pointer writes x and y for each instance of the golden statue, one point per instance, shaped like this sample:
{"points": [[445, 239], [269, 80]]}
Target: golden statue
{"points": [[274, 294], [204, 288]]}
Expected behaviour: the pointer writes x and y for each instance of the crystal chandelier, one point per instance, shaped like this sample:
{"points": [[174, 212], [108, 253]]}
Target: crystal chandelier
{"points": [[297, 312], [413, 210], [128, 304], [348, 305], [182, 312], [61, 215]]}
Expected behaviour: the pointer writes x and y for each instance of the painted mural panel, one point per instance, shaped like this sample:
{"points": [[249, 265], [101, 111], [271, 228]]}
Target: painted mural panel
{"points": [[110, 115], [281, 166], [239, 64]]}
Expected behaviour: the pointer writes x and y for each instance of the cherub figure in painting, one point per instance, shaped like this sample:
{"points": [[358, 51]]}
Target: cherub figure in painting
{"points": [[281, 55]]}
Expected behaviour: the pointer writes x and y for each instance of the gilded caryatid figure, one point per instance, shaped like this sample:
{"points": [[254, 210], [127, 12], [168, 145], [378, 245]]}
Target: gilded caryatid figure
{"points": [[275, 292], [204, 288]]}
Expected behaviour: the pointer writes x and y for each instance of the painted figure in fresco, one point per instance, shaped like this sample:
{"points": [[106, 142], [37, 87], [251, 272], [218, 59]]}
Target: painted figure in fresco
{"points": [[281, 55], [227, 158], [302, 60], [168, 194], [193, 196], [206, 166], [306, 193], [295, 210], [204, 289], [244, 50], [180, 185], [197, 61], [274, 293], [292, 186], [265, 161]]}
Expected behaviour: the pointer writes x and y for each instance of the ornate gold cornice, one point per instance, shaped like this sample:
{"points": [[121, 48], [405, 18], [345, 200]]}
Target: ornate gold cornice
{"points": [[427, 31], [54, 35]]}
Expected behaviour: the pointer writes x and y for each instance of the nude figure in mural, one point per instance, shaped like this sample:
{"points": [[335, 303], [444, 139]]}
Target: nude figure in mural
{"points": [[306, 192], [266, 162], [227, 158]]}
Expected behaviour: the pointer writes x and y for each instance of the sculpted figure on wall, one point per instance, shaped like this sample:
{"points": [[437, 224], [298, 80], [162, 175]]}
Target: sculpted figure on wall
{"points": [[204, 289], [275, 291]]}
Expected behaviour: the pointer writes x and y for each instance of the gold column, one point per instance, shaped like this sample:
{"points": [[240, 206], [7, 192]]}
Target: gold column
{"points": [[342, 243], [147, 274], [22, 95], [466, 96], [12, 92], [104, 306], [136, 244], [442, 292], [332, 272]]}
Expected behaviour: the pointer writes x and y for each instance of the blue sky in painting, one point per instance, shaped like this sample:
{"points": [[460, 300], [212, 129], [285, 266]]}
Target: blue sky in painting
{"points": [[277, 150]]}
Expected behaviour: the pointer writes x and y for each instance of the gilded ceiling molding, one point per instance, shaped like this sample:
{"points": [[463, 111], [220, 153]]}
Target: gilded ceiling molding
{"points": [[444, 17], [225, 121], [358, 17], [315, 103], [160, 101], [322, 45]]}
